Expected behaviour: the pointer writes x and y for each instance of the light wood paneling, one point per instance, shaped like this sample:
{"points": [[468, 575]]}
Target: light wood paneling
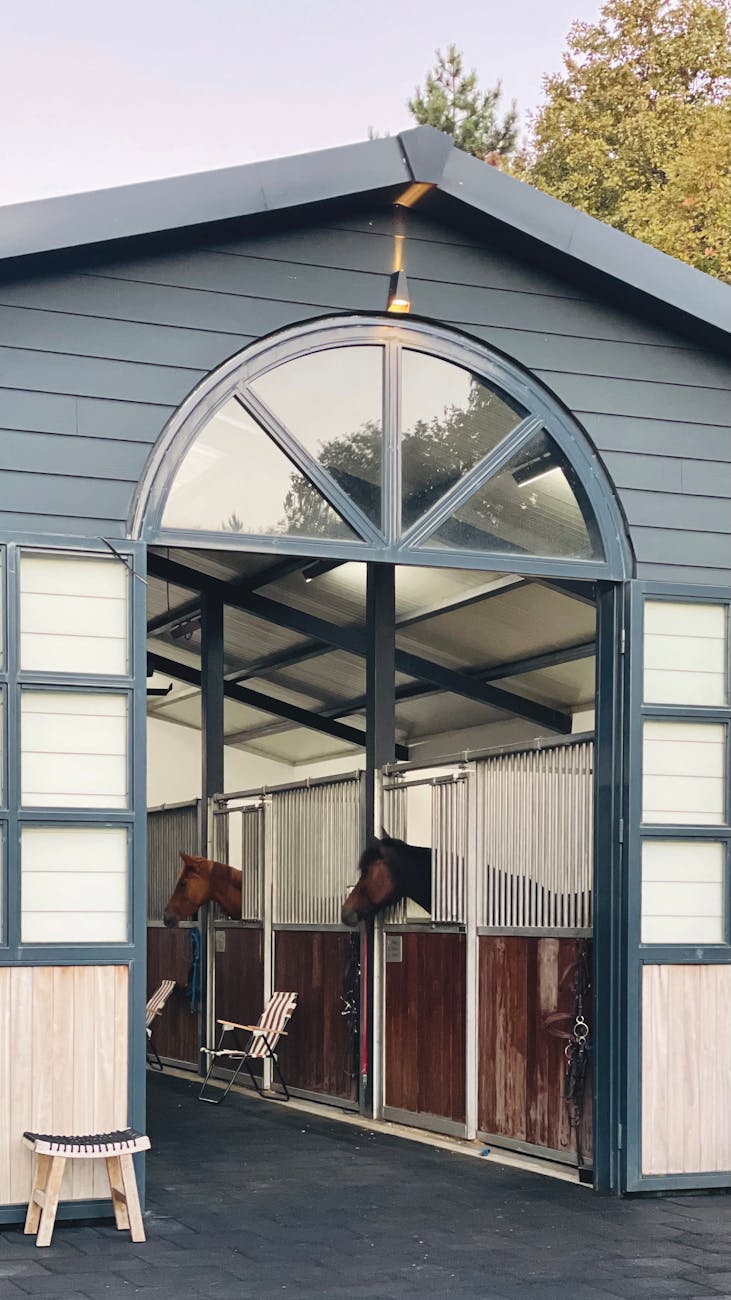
{"points": [[63, 1066], [686, 1069]]}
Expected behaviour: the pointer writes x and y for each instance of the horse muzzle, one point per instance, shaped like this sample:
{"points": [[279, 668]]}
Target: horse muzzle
{"points": [[171, 920], [349, 917]]}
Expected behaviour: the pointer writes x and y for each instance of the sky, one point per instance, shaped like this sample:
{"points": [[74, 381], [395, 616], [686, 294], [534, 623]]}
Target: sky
{"points": [[94, 93]]}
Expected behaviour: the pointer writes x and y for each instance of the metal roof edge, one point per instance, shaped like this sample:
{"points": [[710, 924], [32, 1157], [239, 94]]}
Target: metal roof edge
{"points": [[586, 241], [150, 207]]}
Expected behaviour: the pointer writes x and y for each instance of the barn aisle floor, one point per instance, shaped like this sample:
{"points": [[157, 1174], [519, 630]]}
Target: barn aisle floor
{"points": [[254, 1200]]}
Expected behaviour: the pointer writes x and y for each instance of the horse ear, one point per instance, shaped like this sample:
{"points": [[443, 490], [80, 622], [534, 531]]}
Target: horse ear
{"points": [[187, 858], [385, 837], [373, 842]]}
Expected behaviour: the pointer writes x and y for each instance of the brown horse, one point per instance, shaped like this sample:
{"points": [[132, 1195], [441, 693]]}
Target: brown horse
{"points": [[389, 870], [204, 881]]}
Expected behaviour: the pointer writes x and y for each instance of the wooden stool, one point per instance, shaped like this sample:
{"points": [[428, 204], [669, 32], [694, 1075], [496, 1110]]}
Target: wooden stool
{"points": [[51, 1154]]}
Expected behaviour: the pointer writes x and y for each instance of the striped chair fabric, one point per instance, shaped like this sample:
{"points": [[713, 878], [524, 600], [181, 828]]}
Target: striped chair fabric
{"points": [[263, 1039], [157, 1002], [270, 1026]]}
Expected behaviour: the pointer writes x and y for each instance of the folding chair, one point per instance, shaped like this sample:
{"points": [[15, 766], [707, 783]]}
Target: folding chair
{"points": [[155, 1007], [264, 1038]]}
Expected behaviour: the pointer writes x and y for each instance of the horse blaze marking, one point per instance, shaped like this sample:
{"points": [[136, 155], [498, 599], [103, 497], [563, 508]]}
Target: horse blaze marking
{"points": [[394, 947]]}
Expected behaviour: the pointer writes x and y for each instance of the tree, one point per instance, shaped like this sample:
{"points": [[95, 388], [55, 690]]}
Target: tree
{"points": [[452, 101], [635, 131]]}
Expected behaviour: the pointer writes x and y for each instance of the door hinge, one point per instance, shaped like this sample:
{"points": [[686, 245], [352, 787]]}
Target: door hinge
{"points": [[620, 1136], [621, 830], [622, 641]]}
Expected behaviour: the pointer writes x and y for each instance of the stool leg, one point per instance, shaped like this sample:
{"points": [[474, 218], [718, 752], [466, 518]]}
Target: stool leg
{"points": [[116, 1186], [52, 1192], [136, 1226], [41, 1166]]}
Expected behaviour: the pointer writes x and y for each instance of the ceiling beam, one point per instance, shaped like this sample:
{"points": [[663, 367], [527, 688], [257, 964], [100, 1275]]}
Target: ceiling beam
{"points": [[265, 704], [162, 623], [583, 591], [353, 641]]}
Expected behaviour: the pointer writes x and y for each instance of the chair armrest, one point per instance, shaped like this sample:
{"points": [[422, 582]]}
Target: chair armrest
{"points": [[253, 1029]]}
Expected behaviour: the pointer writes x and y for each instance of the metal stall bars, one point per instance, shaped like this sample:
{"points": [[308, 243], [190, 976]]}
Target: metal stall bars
{"points": [[317, 838], [171, 953]]}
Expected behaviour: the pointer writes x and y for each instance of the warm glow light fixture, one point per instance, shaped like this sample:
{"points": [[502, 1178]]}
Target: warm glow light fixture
{"points": [[398, 293]]}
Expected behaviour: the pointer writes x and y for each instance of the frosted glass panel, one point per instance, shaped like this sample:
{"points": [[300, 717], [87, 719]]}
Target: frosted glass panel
{"points": [[450, 420], [235, 479], [73, 614], [73, 750], [686, 653], [74, 884], [534, 506], [684, 773], [682, 891], [332, 401]]}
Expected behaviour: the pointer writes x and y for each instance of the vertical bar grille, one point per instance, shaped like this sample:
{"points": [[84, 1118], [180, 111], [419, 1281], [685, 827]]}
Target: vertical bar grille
{"points": [[169, 830], [317, 837], [534, 838]]}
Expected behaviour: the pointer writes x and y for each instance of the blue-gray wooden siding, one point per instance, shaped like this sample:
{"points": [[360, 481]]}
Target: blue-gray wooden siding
{"points": [[93, 363]]}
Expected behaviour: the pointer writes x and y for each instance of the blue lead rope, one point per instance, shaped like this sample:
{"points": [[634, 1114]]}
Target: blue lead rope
{"points": [[194, 979]]}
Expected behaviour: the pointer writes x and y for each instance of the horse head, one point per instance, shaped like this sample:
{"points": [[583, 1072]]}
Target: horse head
{"points": [[388, 870], [193, 888]]}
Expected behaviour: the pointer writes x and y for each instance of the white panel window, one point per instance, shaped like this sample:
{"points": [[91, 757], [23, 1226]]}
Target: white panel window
{"points": [[686, 654], [73, 614], [74, 884], [73, 750], [683, 892], [684, 773]]}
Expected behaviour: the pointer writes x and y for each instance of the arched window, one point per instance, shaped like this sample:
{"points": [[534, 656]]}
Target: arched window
{"points": [[366, 439]]}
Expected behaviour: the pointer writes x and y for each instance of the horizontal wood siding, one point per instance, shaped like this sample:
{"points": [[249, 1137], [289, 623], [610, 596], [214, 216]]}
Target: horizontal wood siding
{"points": [[425, 1026], [522, 1067], [63, 1067], [175, 1031], [317, 1054], [98, 361]]}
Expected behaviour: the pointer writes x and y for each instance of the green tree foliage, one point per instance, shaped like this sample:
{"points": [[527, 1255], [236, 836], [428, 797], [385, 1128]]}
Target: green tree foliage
{"points": [[451, 100], [636, 130]]}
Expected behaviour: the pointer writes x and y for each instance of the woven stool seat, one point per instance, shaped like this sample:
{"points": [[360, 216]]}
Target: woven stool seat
{"points": [[50, 1153], [124, 1141]]}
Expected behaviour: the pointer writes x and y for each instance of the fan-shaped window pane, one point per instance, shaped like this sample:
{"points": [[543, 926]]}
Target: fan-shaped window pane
{"points": [[450, 420], [234, 479], [332, 402], [535, 505]]}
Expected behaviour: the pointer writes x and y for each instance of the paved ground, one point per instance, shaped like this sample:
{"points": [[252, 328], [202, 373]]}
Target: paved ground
{"points": [[254, 1200]]}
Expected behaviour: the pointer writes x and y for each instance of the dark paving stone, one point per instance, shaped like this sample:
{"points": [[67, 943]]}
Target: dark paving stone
{"points": [[251, 1202]]}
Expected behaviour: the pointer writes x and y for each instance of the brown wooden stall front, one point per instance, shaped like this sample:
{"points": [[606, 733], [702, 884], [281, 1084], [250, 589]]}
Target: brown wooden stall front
{"points": [[425, 1025], [524, 981], [177, 1031], [318, 1055]]}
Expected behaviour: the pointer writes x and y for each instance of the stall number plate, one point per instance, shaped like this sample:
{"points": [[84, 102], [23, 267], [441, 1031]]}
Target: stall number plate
{"points": [[393, 947], [220, 940]]}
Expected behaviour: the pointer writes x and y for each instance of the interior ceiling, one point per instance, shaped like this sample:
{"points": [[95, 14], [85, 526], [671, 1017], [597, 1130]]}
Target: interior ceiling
{"points": [[469, 622]]}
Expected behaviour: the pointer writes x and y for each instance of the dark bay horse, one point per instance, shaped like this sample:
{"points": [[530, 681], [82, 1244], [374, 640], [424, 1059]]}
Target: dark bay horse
{"points": [[203, 881], [389, 870]]}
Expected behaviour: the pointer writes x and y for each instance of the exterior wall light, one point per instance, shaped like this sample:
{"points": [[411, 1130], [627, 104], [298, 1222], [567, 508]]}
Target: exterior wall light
{"points": [[398, 293]]}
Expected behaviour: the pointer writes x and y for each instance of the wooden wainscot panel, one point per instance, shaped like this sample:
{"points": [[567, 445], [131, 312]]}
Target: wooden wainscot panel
{"points": [[526, 1006], [425, 1026], [686, 1069], [63, 1067], [176, 1032], [239, 973], [318, 1053]]}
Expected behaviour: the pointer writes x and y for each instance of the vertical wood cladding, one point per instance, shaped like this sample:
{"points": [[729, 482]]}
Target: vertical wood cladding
{"points": [[425, 1026], [522, 1066], [176, 1031], [317, 1054]]}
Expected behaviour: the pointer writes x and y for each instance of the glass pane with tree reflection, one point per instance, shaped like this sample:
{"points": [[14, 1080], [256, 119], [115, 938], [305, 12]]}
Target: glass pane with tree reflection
{"points": [[235, 479], [535, 505], [450, 420], [332, 403]]}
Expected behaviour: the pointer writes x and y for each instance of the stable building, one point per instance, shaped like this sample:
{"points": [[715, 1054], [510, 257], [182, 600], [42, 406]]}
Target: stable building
{"points": [[372, 488]]}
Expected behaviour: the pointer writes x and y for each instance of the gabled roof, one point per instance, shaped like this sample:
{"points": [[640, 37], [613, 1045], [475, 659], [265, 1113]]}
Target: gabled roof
{"points": [[463, 190]]}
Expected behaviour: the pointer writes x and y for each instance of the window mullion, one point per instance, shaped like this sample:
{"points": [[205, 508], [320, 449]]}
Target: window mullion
{"points": [[301, 459], [473, 480]]}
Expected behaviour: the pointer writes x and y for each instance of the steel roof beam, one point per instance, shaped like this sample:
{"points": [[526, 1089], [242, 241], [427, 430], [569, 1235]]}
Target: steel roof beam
{"points": [[276, 708]]}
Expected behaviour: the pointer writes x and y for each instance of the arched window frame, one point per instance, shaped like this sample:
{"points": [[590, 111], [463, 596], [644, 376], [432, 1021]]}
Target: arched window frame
{"points": [[232, 379]]}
